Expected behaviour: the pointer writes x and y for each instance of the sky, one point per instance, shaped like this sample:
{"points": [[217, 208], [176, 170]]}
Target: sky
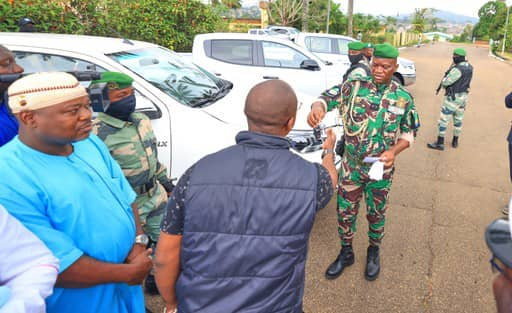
{"points": [[392, 7]]}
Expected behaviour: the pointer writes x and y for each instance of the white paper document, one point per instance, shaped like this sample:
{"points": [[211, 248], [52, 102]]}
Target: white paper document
{"points": [[377, 170], [370, 159]]}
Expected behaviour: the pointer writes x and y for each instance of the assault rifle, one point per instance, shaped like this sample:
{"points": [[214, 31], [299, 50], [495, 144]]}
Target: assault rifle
{"points": [[445, 74]]}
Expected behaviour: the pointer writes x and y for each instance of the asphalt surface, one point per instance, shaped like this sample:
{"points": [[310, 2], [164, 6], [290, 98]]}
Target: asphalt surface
{"points": [[434, 258]]}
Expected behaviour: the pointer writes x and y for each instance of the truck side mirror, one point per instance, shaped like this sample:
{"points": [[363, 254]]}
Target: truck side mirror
{"points": [[310, 65]]}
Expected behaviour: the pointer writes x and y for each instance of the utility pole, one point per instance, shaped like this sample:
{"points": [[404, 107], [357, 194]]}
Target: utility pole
{"points": [[328, 15], [350, 13], [506, 29], [305, 13]]}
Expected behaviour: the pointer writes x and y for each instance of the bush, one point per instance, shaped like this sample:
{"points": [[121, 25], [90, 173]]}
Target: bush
{"points": [[49, 16], [170, 23]]}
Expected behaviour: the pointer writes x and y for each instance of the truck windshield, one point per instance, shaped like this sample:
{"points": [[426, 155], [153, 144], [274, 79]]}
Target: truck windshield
{"points": [[171, 73]]}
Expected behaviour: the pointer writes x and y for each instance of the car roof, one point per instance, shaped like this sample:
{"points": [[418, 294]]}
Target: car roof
{"points": [[74, 43], [220, 36], [326, 35]]}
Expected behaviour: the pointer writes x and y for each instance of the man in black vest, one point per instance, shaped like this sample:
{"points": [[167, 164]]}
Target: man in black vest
{"points": [[456, 83], [359, 64], [235, 233]]}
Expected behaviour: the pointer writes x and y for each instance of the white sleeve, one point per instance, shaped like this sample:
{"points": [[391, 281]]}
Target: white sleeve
{"points": [[27, 267]]}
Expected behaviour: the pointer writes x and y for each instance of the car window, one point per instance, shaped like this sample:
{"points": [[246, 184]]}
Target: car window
{"points": [[252, 32], [233, 51], [174, 75], [318, 44], [343, 46], [278, 55], [34, 62]]}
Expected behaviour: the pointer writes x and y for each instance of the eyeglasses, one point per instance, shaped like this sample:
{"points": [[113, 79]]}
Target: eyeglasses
{"points": [[498, 267]]}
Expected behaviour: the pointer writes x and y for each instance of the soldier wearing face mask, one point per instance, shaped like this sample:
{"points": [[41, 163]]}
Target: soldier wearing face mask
{"points": [[359, 66], [131, 141], [456, 83]]}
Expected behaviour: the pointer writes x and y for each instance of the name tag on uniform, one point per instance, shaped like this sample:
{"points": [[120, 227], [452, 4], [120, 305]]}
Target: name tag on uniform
{"points": [[396, 110]]}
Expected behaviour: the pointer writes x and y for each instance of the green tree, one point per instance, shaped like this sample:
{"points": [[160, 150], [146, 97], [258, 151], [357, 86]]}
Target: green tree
{"points": [[419, 20], [492, 20]]}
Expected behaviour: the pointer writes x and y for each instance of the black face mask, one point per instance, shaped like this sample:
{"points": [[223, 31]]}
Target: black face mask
{"points": [[123, 108], [354, 59], [457, 59]]}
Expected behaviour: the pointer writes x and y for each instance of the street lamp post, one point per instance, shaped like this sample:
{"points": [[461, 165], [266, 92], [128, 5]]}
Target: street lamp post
{"points": [[506, 29], [328, 15]]}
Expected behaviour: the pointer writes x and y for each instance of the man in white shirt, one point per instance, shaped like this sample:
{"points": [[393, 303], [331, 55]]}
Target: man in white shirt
{"points": [[28, 270]]}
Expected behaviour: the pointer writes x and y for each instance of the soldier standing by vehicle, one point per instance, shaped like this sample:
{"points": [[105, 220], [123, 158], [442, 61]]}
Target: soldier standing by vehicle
{"points": [[359, 65], [368, 51], [380, 121], [456, 83], [132, 143]]}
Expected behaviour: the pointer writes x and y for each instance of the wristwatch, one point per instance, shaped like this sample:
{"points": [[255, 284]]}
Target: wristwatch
{"points": [[326, 152], [142, 240]]}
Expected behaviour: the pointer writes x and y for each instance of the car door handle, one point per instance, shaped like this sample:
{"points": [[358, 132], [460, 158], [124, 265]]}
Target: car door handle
{"points": [[218, 74], [270, 77]]}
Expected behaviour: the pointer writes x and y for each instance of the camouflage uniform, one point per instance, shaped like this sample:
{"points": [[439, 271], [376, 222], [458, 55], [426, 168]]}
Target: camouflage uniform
{"points": [[453, 106], [373, 117], [133, 146], [358, 71]]}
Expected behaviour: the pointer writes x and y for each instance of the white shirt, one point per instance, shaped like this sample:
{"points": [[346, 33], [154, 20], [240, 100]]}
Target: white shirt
{"points": [[27, 268]]}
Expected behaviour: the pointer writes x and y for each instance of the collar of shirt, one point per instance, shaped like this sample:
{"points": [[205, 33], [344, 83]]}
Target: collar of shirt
{"points": [[262, 140], [112, 121]]}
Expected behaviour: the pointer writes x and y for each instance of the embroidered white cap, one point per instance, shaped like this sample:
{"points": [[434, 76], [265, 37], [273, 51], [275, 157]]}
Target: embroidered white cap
{"points": [[40, 90]]}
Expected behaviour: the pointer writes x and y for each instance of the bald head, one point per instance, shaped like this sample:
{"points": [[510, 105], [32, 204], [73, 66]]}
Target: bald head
{"points": [[271, 107]]}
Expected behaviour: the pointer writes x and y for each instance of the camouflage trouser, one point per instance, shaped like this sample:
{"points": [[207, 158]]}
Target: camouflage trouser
{"points": [[452, 108], [354, 181], [151, 209]]}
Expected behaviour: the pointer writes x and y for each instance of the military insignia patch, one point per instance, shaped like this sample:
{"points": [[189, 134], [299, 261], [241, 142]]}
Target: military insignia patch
{"points": [[401, 103]]}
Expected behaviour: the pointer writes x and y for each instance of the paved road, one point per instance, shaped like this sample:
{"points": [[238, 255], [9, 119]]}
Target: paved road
{"points": [[434, 257]]}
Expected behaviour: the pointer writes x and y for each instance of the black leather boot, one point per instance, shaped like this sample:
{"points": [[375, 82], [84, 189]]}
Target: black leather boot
{"points": [[455, 142], [372, 263], [439, 145], [344, 259]]}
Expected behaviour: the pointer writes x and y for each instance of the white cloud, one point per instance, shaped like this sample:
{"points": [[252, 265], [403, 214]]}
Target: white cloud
{"points": [[393, 7]]}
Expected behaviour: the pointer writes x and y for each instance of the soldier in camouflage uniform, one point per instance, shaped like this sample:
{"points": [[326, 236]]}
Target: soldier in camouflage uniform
{"points": [[131, 141], [380, 120], [359, 63], [456, 83]]}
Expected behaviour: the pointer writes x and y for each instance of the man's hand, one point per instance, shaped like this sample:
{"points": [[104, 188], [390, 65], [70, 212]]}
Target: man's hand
{"points": [[317, 114], [502, 294], [140, 267], [136, 250], [330, 141], [388, 157]]}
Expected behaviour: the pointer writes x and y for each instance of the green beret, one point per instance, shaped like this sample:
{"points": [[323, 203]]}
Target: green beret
{"points": [[386, 51], [460, 51], [115, 80], [356, 45], [368, 45]]}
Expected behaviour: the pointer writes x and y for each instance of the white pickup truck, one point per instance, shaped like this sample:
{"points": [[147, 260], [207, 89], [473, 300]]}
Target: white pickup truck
{"points": [[334, 48], [193, 112]]}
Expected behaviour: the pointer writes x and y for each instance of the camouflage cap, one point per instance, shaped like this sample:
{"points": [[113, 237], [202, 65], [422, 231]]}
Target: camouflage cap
{"points": [[386, 51], [115, 80], [356, 45], [460, 51]]}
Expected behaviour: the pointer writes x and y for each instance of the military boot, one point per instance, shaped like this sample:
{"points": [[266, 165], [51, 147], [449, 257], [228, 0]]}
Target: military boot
{"points": [[372, 263], [344, 259], [455, 142], [439, 145]]}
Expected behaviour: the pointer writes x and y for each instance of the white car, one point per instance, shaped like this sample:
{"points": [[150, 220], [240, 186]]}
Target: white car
{"points": [[193, 112], [290, 32], [249, 59], [334, 48]]}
